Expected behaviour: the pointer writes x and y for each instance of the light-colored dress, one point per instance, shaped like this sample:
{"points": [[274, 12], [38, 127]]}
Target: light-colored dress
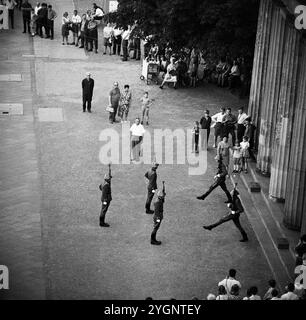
{"points": [[223, 150]]}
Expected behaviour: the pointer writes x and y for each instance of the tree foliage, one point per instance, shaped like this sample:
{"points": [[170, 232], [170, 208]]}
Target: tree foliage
{"points": [[220, 26]]}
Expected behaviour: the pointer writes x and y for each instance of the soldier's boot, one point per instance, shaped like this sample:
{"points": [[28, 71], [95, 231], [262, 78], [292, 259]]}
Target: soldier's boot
{"points": [[103, 224], [154, 241], [208, 227], [202, 197], [244, 237], [149, 211]]}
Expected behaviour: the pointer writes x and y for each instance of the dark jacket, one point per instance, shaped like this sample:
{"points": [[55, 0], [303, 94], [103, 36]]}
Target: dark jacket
{"points": [[106, 192], [88, 86], [222, 172], [152, 177], [205, 123], [238, 208], [158, 210]]}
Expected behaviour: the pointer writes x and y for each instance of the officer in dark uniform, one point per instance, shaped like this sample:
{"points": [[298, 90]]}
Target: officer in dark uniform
{"points": [[151, 175], [219, 181], [87, 88], [158, 215], [236, 208], [106, 198]]}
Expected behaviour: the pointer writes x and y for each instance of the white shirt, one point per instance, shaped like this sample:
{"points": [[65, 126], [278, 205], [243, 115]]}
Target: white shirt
{"points": [[99, 13], [218, 117], [241, 117], [137, 130], [107, 32], [117, 32], [76, 19], [256, 297], [228, 283], [289, 296], [126, 34], [275, 298], [244, 145], [36, 9]]}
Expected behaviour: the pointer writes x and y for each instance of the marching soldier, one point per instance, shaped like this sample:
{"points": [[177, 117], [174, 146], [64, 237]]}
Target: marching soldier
{"points": [[106, 197], [158, 214], [219, 181], [151, 176], [236, 208]]}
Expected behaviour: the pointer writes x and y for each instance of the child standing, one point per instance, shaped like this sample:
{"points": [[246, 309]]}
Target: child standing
{"points": [[245, 152], [195, 137], [65, 27], [146, 103], [237, 157]]}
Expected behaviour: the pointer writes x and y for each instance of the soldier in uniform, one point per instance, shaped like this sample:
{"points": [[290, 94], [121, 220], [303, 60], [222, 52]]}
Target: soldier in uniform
{"points": [[219, 181], [105, 199], [158, 215], [236, 208], [151, 176]]}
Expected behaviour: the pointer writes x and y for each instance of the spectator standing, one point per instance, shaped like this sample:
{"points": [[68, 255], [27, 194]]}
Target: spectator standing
{"points": [[125, 42], [218, 125], [229, 121], [87, 89], [26, 9], [223, 151], [114, 98], [272, 286], [290, 295], [205, 123], [229, 281], [236, 157], [117, 40], [222, 295], [138, 132], [300, 250], [193, 67], [51, 17], [65, 27], [250, 132], [242, 116], [81, 37], [92, 35], [146, 102], [37, 7], [11, 4], [195, 137], [125, 103], [75, 26], [33, 22], [245, 153], [42, 20], [108, 34], [234, 76]]}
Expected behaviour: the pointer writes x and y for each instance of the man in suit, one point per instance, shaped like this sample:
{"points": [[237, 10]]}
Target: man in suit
{"points": [[151, 176], [219, 178], [87, 87], [158, 216], [106, 198], [236, 208]]}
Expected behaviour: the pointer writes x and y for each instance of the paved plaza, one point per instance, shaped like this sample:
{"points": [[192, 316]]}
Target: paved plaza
{"points": [[50, 173]]}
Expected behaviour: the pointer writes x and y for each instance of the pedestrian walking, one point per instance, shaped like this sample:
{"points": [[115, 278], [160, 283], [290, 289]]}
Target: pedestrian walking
{"points": [[151, 179], [242, 116], [195, 137], [114, 98], [205, 123], [11, 4], [87, 88], [146, 102], [219, 180], [137, 130], [106, 197], [51, 17], [26, 9], [218, 125], [236, 209], [125, 103], [158, 214]]}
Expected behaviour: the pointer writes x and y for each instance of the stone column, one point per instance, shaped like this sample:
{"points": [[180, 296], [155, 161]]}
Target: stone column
{"points": [[295, 205], [260, 62], [271, 92], [284, 118]]}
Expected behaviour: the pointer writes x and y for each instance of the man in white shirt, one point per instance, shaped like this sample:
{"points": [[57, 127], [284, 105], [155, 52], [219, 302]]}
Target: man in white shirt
{"points": [[217, 119], [11, 4], [76, 23], [125, 42], [138, 132], [117, 41], [290, 295], [229, 281], [108, 33], [242, 116]]}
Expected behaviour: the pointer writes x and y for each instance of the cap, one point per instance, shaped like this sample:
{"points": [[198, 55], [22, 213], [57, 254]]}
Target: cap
{"points": [[88, 74]]}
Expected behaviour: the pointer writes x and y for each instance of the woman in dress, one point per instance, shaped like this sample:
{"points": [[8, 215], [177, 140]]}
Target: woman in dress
{"points": [[170, 76], [223, 150], [125, 103]]}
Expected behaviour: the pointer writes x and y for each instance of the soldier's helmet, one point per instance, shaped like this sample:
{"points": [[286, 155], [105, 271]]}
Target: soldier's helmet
{"points": [[234, 193]]}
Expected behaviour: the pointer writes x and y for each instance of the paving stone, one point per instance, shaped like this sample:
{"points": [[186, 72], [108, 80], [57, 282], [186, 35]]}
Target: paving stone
{"points": [[50, 115]]}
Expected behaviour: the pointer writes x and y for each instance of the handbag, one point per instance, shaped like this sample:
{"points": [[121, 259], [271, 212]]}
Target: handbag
{"points": [[109, 109]]}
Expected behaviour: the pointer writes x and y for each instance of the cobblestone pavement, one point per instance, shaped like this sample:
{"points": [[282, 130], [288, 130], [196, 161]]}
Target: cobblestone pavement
{"points": [[83, 261]]}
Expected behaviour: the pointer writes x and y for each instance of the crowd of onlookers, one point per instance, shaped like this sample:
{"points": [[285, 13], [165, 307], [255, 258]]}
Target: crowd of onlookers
{"points": [[231, 289]]}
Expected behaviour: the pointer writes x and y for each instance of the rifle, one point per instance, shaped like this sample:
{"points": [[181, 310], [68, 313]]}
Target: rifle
{"points": [[164, 189], [110, 170]]}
